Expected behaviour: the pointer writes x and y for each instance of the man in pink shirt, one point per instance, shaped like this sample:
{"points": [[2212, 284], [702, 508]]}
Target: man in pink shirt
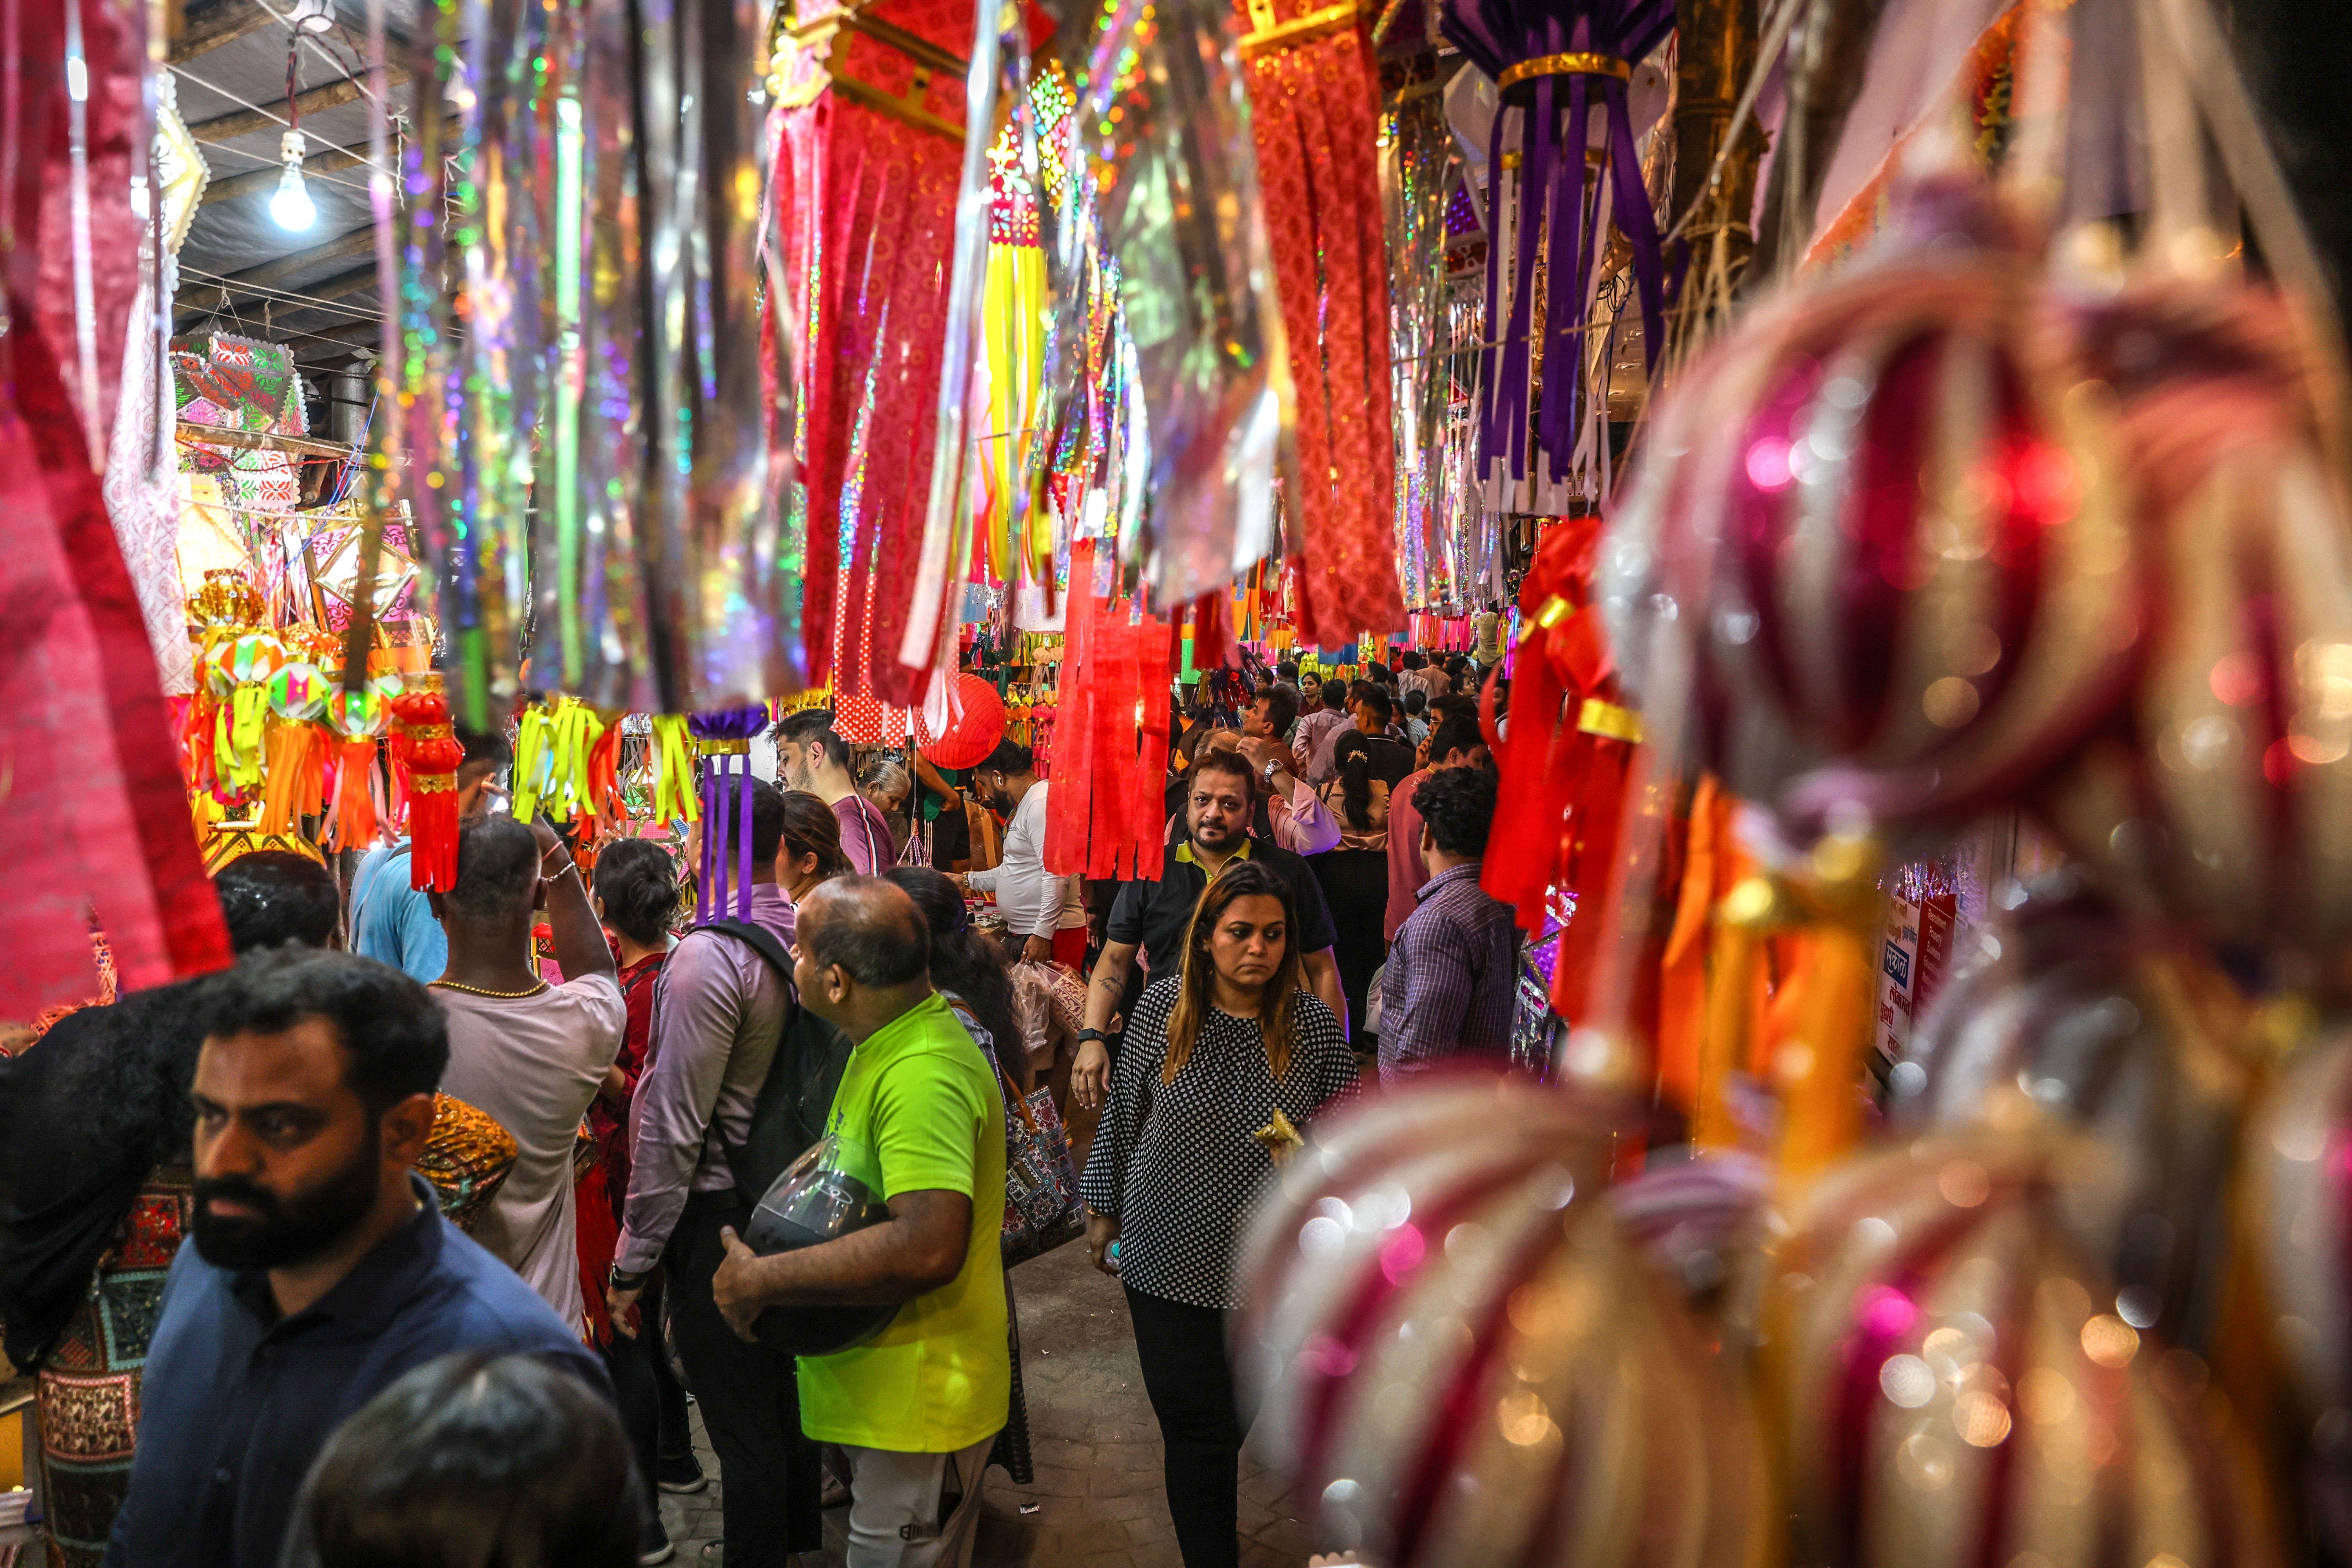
{"points": [[811, 756], [1452, 744]]}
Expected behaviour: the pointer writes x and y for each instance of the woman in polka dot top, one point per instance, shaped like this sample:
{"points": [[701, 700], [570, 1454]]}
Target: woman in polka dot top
{"points": [[1222, 1066]]}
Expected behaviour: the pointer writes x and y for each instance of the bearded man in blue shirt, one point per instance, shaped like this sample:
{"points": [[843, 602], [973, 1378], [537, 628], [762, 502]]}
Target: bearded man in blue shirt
{"points": [[320, 1268]]}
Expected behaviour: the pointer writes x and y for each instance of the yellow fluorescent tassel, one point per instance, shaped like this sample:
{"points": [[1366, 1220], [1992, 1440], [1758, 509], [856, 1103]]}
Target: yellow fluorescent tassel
{"points": [[531, 763], [1013, 307], [674, 794]]}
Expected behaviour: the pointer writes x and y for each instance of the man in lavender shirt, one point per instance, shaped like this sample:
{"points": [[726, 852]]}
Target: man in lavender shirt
{"points": [[719, 1011], [810, 756]]}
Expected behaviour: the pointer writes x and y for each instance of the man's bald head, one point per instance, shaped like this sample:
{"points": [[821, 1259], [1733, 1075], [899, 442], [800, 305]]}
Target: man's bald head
{"points": [[867, 927]]}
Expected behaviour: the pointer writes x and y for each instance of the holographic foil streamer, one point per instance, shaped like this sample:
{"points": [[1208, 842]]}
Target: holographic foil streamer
{"points": [[999, 52], [1162, 133], [499, 399], [1413, 158], [424, 384], [733, 573], [593, 630]]}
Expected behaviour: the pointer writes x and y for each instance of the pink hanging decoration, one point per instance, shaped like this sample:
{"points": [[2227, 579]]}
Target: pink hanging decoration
{"points": [[84, 730]]}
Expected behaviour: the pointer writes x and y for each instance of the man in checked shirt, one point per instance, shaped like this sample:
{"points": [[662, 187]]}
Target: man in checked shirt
{"points": [[1447, 992]]}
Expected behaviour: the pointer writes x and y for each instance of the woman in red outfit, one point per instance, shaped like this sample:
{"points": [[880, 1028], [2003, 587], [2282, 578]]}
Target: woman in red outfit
{"points": [[637, 891]]}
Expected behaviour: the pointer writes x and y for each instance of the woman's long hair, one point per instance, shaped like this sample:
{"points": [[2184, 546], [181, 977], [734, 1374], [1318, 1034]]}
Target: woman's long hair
{"points": [[1194, 992], [1353, 755], [811, 828], [963, 961]]}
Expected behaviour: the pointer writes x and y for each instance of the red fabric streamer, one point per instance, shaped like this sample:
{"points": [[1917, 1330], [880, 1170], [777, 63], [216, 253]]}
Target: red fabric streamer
{"points": [[95, 785], [869, 205], [1315, 117], [1104, 817], [1213, 632]]}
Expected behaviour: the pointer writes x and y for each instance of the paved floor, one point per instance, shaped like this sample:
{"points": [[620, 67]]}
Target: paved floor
{"points": [[1096, 1499]]}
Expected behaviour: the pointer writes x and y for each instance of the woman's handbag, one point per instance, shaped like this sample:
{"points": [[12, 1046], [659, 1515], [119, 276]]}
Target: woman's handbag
{"points": [[1042, 1209]]}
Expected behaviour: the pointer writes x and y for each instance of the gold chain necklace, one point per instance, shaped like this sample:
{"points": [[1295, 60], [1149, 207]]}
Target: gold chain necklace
{"points": [[501, 996]]}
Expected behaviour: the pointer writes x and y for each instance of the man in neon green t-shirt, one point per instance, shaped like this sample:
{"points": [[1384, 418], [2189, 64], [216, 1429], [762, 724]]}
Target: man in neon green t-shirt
{"points": [[920, 1122]]}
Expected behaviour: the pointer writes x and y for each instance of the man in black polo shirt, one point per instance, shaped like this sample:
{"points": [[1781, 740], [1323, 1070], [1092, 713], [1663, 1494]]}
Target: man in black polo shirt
{"points": [[1220, 801]]}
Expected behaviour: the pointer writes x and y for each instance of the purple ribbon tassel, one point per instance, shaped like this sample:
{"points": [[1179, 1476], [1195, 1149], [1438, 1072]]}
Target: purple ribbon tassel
{"points": [[1558, 195], [721, 826]]}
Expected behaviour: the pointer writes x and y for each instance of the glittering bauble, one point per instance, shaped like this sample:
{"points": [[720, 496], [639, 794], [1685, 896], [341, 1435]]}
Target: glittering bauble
{"points": [[972, 734], [1460, 1350], [355, 714], [2299, 1156], [1957, 1383], [1875, 550], [2227, 799], [299, 691], [2069, 1014]]}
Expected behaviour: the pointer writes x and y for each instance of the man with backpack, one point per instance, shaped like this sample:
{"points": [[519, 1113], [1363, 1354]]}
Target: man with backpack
{"points": [[919, 1121], [721, 1009]]}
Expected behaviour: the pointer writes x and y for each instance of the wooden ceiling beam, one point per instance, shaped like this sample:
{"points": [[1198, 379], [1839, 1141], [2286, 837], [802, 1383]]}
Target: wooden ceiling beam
{"points": [[209, 26]]}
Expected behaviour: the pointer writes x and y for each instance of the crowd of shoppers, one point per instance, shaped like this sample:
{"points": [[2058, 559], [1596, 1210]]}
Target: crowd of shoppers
{"points": [[454, 1196]]}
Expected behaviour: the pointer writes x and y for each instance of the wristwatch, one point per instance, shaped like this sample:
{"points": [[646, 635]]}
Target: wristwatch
{"points": [[621, 1280], [1086, 1035]]}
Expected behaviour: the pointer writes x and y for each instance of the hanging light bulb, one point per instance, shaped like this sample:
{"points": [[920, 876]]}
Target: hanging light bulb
{"points": [[290, 205]]}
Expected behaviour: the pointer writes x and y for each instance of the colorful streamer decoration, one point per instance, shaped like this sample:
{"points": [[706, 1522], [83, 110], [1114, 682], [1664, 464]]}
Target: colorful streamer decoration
{"points": [[724, 741], [1105, 817], [868, 156], [1556, 66], [1315, 117]]}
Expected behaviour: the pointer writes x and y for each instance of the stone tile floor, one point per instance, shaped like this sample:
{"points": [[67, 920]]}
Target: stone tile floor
{"points": [[1096, 1501]]}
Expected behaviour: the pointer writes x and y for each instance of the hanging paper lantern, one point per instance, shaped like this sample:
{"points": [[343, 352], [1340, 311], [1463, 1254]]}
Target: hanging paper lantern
{"points": [[1886, 538], [255, 656], [299, 691], [1457, 1346], [972, 734], [428, 747], [354, 714], [1957, 1382], [218, 667]]}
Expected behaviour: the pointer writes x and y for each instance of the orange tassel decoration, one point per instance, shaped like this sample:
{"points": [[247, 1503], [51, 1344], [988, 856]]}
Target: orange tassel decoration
{"points": [[296, 784], [429, 746], [355, 823]]}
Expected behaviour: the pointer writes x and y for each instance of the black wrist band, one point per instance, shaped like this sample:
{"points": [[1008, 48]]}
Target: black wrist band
{"points": [[620, 1281], [1093, 1034]]}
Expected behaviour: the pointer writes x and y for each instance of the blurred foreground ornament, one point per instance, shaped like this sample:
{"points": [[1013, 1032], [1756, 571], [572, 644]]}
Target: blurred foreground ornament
{"points": [[2068, 1013], [1877, 556], [2225, 798], [1957, 1383], [1457, 1346]]}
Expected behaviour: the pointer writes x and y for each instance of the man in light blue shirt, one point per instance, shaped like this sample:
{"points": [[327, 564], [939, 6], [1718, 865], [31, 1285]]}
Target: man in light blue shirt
{"points": [[393, 923]]}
